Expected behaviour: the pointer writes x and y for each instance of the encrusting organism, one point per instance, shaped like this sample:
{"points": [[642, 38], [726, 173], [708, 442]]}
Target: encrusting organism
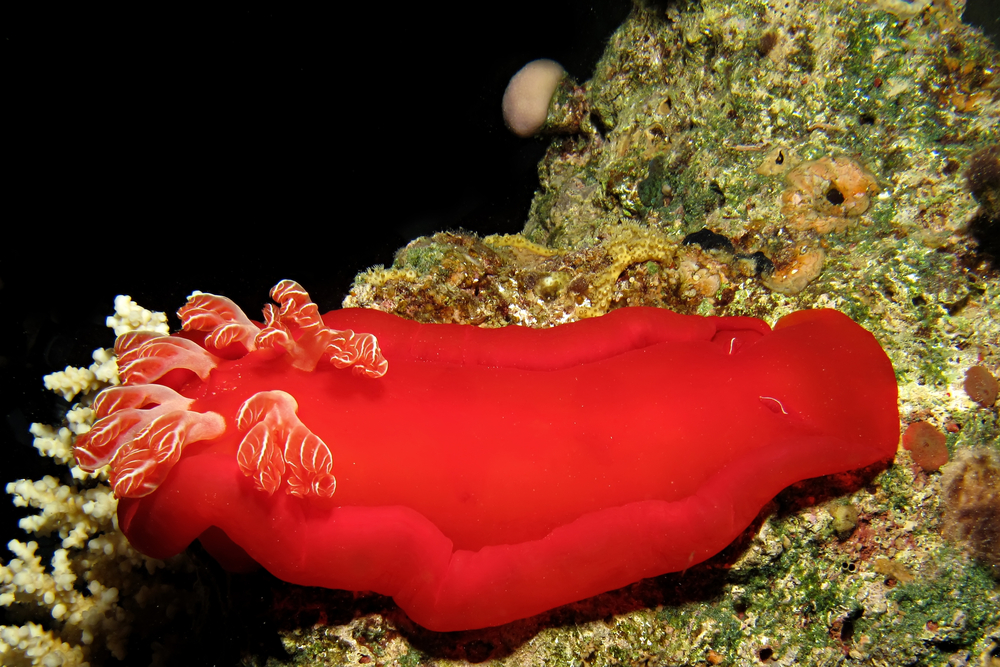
{"points": [[526, 100], [971, 495]]}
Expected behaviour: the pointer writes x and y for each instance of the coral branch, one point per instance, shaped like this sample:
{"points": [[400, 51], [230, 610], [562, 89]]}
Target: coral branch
{"points": [[78, 606]]}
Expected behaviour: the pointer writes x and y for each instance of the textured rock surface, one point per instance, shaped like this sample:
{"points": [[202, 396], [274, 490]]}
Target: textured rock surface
{"points": [[832, 139]]}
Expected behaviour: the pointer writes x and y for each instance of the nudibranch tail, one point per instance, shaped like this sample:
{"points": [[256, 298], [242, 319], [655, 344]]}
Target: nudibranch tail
{"points": [[141, 431], [132, 340], [296, 306], [226, 322], [360, 351], [120, 415], [277, 441], [317, 342], [145, 461], [115, 399], [295, 326], [155, 356], [98, 447]]}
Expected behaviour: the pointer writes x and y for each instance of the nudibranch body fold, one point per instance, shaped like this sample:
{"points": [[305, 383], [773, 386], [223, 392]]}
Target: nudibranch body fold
{"points": [[480, 476]]}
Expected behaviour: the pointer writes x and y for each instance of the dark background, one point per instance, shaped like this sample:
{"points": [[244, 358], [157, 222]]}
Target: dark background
{"points": [[160, 152], [164, 151]]}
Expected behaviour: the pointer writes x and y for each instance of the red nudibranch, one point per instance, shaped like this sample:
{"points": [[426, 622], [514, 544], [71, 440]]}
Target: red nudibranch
{"points": [[477, 476]]}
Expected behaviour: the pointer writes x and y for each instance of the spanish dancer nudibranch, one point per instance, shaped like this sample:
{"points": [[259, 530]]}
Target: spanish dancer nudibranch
{"points": [[478, 476]]}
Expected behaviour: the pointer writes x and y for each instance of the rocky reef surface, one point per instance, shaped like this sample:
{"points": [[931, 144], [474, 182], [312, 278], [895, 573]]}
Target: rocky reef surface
{"points": [[756, 158]]}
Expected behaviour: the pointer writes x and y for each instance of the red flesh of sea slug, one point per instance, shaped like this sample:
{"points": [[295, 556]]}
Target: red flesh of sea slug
{"points": [[477, 476]]}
